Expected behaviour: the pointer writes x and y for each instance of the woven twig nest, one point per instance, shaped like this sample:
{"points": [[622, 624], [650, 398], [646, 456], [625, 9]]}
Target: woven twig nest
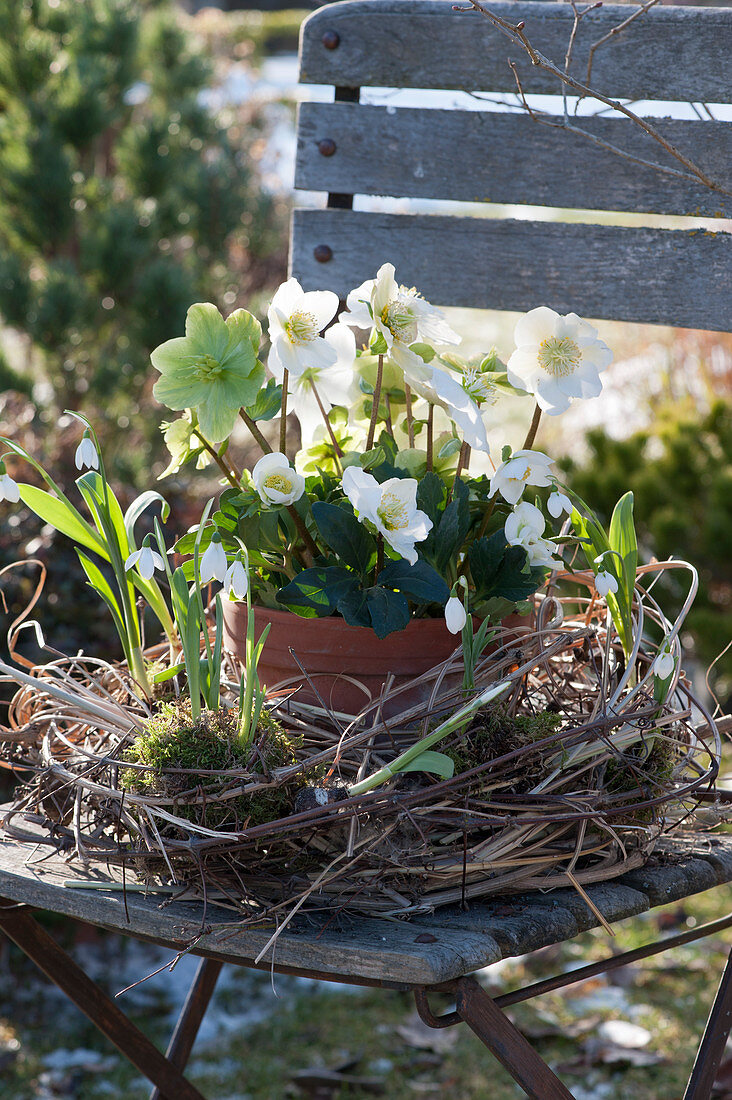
{"points": [[569, 779]]}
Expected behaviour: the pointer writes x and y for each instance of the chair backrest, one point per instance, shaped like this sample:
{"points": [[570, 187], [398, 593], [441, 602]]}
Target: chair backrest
{"points": [[626, 272]]}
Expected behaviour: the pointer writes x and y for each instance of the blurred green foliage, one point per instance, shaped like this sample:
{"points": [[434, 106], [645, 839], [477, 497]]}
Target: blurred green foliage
{"points": [[681, 474], [121, 196]]}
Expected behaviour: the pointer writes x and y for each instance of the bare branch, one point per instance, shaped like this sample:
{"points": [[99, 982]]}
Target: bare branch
{"points": [[615, 30], [515, 32]]}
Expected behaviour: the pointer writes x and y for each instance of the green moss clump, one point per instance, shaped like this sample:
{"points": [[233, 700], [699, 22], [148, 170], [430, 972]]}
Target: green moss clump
{"points": [[178, 749], [643, 773], [494, 732]]}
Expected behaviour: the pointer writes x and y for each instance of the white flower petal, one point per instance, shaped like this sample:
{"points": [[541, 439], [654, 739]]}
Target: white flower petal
{"points": [[8, 489], [455, 616], [213, 564], [322, 304], [535, 326], [663, 666], [605, 582]]}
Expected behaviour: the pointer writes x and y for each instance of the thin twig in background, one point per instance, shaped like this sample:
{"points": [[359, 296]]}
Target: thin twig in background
{"points": [[516, 33]]}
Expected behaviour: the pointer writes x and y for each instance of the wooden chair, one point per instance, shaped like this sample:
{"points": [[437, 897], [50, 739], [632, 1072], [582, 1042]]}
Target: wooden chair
{"points": [[631, 273]]}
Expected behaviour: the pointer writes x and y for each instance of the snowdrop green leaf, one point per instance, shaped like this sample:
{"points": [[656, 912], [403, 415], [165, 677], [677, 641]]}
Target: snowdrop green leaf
{"points": [[436, 763]]}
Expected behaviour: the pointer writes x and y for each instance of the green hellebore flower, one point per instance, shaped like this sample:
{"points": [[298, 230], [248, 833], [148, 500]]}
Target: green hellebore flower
{"points": [[213, 368]]}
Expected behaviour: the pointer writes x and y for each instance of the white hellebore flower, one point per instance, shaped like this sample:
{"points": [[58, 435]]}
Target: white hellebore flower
{"points": [[275, 480], [455, 616], [213, 564], [8, 488], [605, 582], [295, 321], [335, 384], [557, 358], [525, 527], [86, 457], [147, 561], [391, 507], [400, 315], [664, 665], [522, 468], [236, 580], [441, 388], [558, 503]]}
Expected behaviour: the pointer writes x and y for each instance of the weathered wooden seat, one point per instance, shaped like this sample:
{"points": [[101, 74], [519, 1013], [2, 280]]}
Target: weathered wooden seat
{"points": [[436, 952], [633, 272]]}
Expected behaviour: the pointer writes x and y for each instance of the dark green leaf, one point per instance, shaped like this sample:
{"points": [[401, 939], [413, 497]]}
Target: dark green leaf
{"points": [[345, 536], [315, 592], [501, 571], [388, 611], [431, 494], [376, 608], [420, 582], [453, 527]]}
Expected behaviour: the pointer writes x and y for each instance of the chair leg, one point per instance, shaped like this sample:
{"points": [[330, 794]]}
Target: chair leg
{"points": [[19, 926], [506, 1043], [713, 1042], [191, 1017]]}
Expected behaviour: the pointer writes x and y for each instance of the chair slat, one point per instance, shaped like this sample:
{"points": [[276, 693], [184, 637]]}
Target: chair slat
{"points": [[425, 44], [633, 274], [509, 158]]}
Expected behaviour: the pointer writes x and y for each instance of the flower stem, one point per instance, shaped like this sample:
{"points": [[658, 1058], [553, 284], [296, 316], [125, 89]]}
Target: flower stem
{"points": [[255, 432], [377, 399], [531, 434], [311, 548], [283, 412], [486, 517], [379, 555], [410, 415], [228, 474], [329, 426], [463, 462], [430, 437]]}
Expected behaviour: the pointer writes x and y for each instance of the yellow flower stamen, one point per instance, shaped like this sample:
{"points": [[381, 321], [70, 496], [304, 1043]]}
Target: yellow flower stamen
{"points": [[393, 512], [398, 316], [559, 356], [301, 327], [278, 482]]}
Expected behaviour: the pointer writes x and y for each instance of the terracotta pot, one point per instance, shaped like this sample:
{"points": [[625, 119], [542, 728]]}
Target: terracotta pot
{"points": [[330, 650]]}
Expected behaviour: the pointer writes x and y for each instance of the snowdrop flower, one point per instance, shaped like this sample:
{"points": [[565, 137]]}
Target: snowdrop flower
{"points": [[146, 559], [558, 503], [236, 580], [522, 468], [295, 322], [525, 527], [455, 616], [276, 482], [441, 388], [391, 507], [401, 316], [663, 665], [605, 582], [335, 384], [86, 457], [213, 564], [8, 488], [557, 358]]}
